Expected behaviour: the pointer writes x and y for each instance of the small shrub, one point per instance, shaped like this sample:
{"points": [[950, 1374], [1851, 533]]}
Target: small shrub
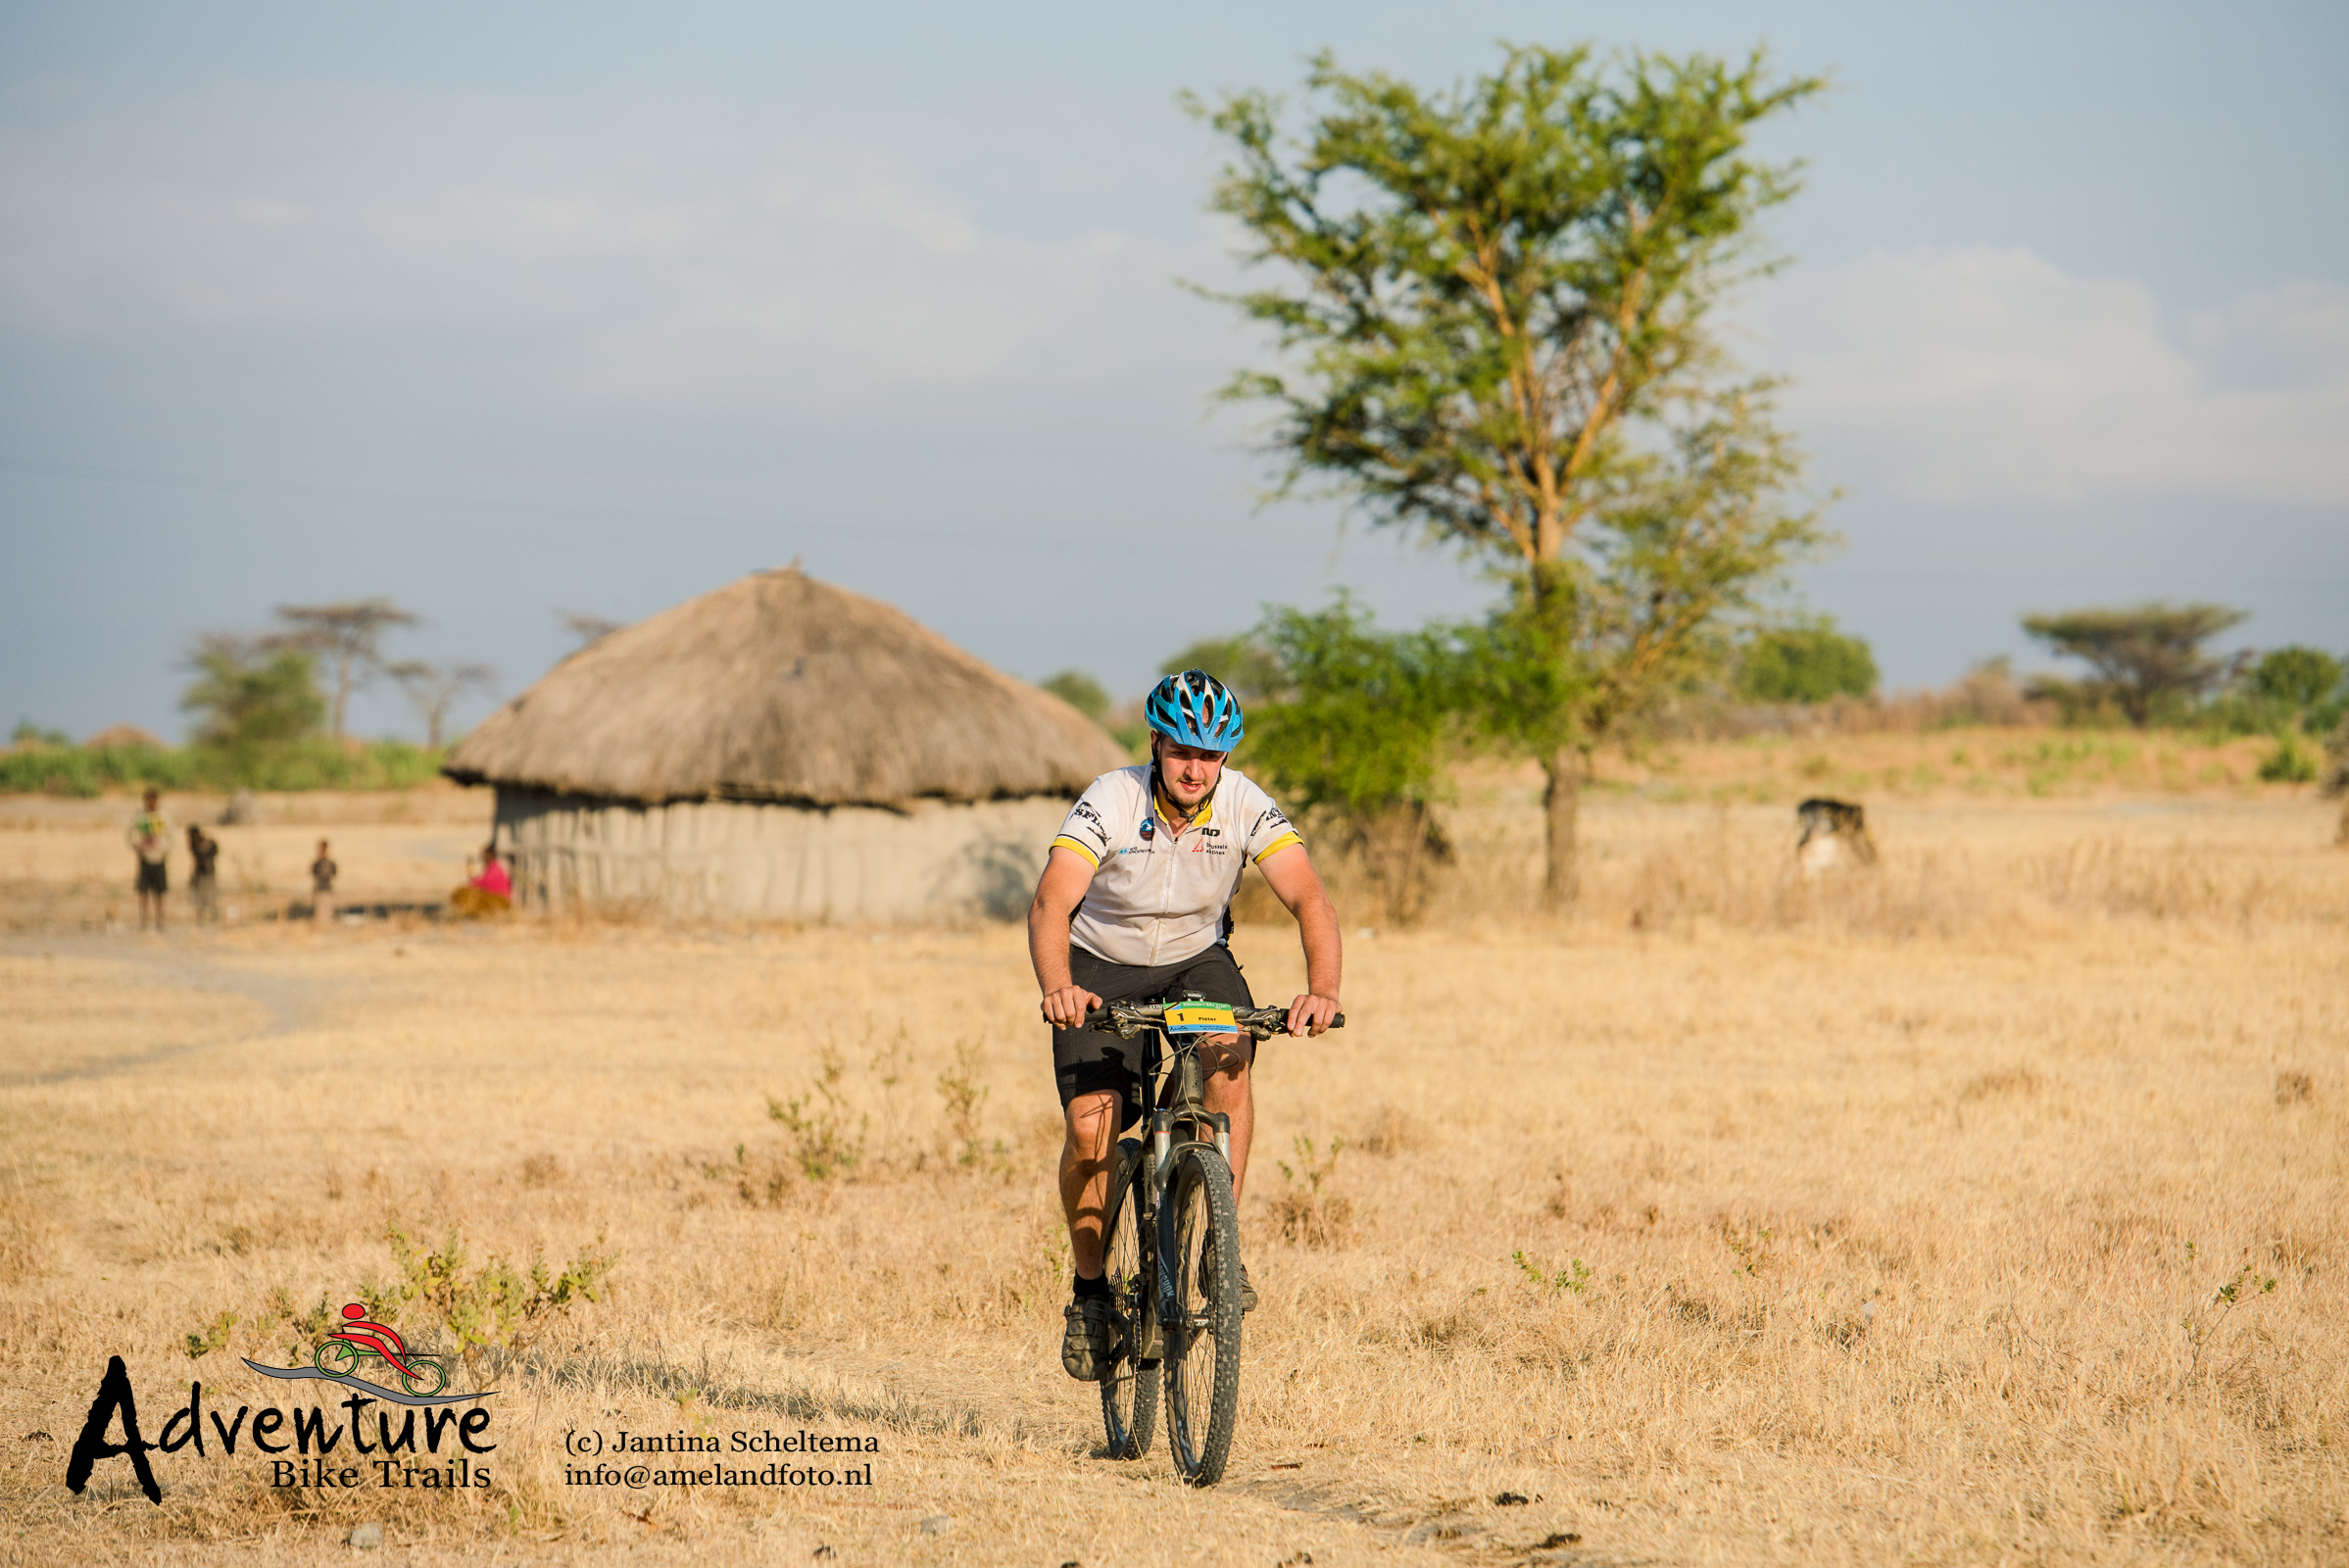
{"points": [[2294, 1088], [965, 1099], [818, 1125], [310, 1328], [1305, 1214], [1575, 1277], [2289, 764], [207, 1340], [493, 1305]]}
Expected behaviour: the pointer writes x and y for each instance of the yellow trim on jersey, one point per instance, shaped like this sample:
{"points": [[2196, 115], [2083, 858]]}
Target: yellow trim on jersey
{"points": [[1084, 850], [1167, 808], [1278, 845]]}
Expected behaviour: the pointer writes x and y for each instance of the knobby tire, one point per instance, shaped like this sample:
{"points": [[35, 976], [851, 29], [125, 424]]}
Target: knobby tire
{"points": [[1130, 1386], [1203, 1342]]}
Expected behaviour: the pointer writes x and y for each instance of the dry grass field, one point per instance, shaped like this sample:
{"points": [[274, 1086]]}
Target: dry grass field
{"points": [[1982, 1208]]}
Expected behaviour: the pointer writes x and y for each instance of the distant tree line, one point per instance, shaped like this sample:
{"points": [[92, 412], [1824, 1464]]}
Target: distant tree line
{"points": [[1362, 727], [260, 718]]}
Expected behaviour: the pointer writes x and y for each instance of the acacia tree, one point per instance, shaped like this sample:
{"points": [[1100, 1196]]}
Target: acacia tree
{"points": [[435, 688], [350, 634], [1495, 332], [2144, 656]]}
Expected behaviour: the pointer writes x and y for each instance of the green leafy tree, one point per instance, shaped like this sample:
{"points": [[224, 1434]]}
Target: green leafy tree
{"points": [[1360, 736], [2148, 658], [28, 733], [252, 701], [1242, 663], [2296, 677], [1809, 662], [349, 636], [1081, 692], [1495, 333]]}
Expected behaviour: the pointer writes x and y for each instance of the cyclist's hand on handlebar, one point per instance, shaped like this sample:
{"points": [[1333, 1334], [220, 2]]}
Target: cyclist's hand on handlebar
{"points": [[1066, 1008], [1310, 1014]]}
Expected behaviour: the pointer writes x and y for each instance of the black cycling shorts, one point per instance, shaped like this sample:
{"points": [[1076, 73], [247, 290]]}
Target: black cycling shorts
{"points": [[1089, 1060]]}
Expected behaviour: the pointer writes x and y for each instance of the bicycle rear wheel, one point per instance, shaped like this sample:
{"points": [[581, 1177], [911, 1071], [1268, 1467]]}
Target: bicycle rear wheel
{"points": [[1201, 1229], [1129, 1387]]}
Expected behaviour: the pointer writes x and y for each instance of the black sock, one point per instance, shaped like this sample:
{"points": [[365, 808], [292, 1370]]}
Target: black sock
{"points": [[1096, 1288]]}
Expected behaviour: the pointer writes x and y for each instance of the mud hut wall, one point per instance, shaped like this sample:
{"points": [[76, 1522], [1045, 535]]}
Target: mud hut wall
{"points": [[934, 862]]}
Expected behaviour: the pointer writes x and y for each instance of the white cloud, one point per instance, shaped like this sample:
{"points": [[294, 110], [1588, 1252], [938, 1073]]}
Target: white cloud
{"points": [[681, 251], [1986, 372]]}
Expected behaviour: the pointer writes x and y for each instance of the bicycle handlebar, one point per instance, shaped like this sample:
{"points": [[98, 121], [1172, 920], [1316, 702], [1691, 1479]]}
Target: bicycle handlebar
{"points": [[1125, 1017]]}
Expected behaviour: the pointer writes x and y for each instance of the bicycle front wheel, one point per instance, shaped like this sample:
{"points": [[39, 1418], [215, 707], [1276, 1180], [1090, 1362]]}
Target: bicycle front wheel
{"points": [[1200, 1232], [431, 1375], [1130, 1386]]}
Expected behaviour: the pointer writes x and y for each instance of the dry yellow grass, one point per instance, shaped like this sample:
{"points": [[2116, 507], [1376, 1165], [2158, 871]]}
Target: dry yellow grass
{"points": [[1877, 1221]]}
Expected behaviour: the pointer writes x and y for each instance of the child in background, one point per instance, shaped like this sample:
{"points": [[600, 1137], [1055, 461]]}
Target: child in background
{"points": [[150, 838], [204, 882], [321, 886]]}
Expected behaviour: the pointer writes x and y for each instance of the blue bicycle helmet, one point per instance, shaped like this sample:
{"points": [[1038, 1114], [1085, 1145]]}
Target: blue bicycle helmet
{"points": [[1195, 708]]}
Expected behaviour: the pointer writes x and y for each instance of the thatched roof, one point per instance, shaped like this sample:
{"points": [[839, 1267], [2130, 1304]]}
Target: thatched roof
{"points": [[122, 738], [782, 688]]}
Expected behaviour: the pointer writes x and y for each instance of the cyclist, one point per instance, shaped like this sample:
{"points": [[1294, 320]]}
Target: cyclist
{"points": [[1135, 905]]}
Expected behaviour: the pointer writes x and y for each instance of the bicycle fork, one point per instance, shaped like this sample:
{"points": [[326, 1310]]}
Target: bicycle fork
{"points": [[1162, 1147]]}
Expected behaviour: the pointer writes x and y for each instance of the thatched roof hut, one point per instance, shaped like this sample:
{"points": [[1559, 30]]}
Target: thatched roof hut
{"points": [[785, 748], [782, 688]]}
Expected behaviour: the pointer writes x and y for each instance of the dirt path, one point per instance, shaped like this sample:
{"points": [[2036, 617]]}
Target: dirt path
{"points": [[169, 966]]}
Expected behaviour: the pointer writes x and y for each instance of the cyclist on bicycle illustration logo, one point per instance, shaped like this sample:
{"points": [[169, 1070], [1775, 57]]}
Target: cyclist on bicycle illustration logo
{"points": [[359, 1341], [1134, 906]]}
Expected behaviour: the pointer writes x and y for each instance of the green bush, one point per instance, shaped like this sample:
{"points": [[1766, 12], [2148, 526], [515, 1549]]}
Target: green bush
{"points": [[1081, 692], [313, 764], [2289, 764], [2296, 677], [1807, 663], [28, 733], [1361, 734]]}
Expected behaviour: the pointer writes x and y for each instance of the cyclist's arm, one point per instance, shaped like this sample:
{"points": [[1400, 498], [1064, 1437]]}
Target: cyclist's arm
{"points": [[1296, 883], [1058, 892]]}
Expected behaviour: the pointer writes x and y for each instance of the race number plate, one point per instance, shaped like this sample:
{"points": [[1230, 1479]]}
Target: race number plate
{"points": [[1199, 1018]]}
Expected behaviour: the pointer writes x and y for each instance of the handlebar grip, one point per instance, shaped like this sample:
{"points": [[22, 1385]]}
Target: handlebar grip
{"points": [[1095, 1017]]}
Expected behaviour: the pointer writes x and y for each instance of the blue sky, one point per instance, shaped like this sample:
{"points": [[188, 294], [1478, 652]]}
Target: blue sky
{"points": [[598, 306]]}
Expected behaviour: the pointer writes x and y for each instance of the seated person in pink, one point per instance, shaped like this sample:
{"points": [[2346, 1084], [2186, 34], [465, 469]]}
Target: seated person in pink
{"points": [[493, 877], [488, 892]]}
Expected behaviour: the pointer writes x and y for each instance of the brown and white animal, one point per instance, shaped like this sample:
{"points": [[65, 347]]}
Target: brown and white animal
{"points": [[1834, 833]]}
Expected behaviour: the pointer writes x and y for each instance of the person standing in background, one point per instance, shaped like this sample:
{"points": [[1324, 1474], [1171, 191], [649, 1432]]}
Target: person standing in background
{"points": [[321, 886], [150, 839], [203, 879]]}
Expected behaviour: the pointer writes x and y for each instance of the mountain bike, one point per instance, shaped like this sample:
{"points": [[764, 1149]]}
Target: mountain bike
{"points": [[1172, 1235], [422, 1375]]}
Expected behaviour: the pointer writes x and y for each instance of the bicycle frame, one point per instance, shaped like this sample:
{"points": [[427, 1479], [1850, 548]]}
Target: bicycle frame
{"points": [[1177, 1105]]}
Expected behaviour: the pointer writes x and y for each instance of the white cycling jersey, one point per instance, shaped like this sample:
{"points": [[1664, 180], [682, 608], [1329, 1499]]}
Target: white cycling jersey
{"points": [[1156, 898]]}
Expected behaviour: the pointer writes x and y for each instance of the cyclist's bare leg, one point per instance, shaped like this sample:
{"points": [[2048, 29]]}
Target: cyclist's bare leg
{"points": [[1092, 1134], [1224, 1062]]}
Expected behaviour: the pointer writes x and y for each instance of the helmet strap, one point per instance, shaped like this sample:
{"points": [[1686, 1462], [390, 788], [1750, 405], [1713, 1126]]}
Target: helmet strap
{"points": [[1160, 794]]}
